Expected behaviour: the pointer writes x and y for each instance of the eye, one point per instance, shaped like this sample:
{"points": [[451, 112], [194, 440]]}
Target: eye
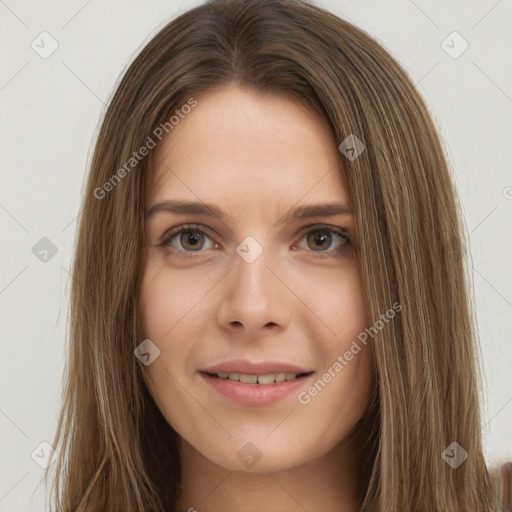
{"points": [[322, 237], [191, 238]]}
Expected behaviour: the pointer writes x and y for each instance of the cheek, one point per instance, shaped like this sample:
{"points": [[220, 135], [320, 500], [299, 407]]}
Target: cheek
{"points": [[162, 314], [167, 297], [172, 310], [155, 309], [337, 300]]}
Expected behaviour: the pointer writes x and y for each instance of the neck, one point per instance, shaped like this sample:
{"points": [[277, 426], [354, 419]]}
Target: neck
{"points": [[326, 483]]}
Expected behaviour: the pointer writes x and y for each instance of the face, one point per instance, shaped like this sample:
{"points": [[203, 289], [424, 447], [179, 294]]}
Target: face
{"points": [[254, 290]]}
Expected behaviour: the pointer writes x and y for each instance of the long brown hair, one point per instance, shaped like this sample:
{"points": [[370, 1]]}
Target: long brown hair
{"points": [[116, 451]]}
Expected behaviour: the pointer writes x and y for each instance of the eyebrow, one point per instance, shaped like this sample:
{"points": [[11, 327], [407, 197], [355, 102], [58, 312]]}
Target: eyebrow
{"points": [[328, 209]]}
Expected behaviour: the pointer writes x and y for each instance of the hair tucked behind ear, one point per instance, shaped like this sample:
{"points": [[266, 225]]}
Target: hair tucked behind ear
{"points": [[116, 450]]}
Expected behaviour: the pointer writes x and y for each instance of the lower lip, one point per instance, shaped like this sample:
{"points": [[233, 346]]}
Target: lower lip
{"points": [[254, 394]]}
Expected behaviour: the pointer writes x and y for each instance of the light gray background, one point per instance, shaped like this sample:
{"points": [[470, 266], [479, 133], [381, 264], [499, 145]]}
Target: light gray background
{"points": [[50, 109]]}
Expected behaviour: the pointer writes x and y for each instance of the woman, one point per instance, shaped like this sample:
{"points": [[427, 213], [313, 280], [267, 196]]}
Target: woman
{"points": [[218, 363]]}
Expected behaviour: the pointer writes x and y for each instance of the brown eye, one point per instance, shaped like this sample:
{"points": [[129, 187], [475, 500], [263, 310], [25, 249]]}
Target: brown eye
{"points": [[320, 241], [194, 238], [186, 239], [189, 239]]}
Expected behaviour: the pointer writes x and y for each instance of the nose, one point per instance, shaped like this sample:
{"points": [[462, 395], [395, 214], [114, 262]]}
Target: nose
{"points": [[255, 296]]}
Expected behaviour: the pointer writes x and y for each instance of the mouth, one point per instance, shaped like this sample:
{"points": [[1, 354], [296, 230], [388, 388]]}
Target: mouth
{"points": [[261, 379], [255, 389]]}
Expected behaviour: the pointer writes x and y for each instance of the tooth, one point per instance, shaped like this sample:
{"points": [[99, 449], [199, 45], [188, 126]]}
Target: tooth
{"points": [[248, 379], [266, 379]]}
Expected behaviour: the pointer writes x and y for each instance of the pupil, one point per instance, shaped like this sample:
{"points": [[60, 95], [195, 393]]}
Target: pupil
{"points": [[321, 237], [193, 239]]}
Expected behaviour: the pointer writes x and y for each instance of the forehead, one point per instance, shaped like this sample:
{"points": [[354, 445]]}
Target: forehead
{"points": [[241, 144]]}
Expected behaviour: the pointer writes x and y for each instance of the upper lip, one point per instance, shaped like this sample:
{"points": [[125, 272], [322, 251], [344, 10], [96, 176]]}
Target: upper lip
{"points": [[255, 368]]}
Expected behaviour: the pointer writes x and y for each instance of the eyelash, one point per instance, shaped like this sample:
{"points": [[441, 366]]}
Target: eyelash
{"points": [[195, 228]]}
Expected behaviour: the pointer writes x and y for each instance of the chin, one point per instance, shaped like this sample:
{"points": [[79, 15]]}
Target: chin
{"points": [[253, 458]]}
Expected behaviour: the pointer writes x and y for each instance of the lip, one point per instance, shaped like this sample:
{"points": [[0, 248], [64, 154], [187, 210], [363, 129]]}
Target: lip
{"points": [[254, 394], [255, 368]]}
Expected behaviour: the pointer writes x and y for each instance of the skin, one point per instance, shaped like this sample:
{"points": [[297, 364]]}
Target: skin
{"points": [[255, 156]]}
